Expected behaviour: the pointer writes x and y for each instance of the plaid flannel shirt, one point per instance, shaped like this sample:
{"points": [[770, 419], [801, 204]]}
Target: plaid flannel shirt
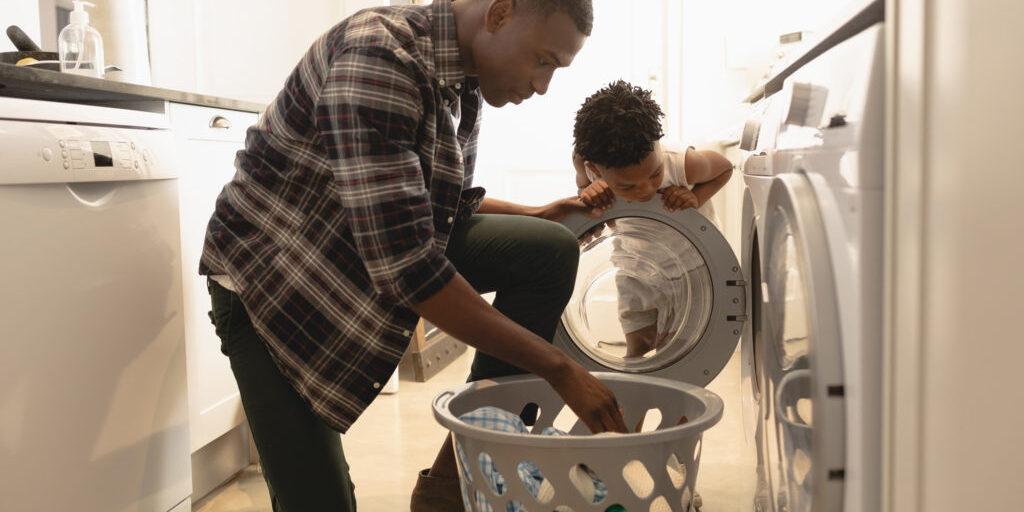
{"points": [[337, 218]]}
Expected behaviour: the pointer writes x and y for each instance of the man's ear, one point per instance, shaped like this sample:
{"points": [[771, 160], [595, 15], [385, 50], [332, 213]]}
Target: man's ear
{"points": [[498, 13]]}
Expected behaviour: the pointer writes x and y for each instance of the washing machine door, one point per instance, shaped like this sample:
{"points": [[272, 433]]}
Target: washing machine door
{"points": [[805, 425], [657, 293]]}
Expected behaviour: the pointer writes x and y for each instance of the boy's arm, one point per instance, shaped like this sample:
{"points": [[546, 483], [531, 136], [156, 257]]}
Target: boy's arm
{"points": [[708, 171]]}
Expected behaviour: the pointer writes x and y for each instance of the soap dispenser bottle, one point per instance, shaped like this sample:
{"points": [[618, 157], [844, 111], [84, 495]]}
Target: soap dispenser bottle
{"points": [[80, 46]]}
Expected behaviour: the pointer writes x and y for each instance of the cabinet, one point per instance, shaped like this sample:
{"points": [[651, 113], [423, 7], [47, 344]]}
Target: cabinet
{"points": [[208, 139]]}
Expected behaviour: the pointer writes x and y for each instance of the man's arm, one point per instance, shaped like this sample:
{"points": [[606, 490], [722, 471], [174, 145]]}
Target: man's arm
{"points": [[554, 211], [708, 171], [458, 310]]}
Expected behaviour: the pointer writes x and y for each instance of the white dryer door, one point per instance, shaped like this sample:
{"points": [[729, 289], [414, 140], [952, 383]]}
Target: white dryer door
{"points": [[804, 429], [657, 292]]}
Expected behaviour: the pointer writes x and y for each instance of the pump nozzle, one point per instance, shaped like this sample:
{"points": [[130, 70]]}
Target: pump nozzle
{"points": [[80, 16]]}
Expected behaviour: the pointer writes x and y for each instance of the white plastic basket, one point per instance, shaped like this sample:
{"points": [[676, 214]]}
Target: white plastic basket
{"points": [[649, 471]]}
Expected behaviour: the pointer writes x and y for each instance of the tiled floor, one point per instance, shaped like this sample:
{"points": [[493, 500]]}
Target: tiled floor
{"points": [[398, 435]]}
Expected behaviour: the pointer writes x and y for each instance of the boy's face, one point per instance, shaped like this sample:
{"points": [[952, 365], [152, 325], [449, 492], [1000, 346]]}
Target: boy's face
{"points": [[637, 182], [519, 50]]}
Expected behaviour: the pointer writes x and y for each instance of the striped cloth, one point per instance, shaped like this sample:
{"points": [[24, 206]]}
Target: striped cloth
{"points": [[338, 216]]}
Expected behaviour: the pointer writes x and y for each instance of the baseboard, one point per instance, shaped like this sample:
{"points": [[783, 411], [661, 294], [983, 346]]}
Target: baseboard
{"points": [[219, 461]]}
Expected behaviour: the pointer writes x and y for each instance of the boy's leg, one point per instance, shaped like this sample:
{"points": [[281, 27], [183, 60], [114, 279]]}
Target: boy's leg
{"points": [[530, 263], [301, 456]]}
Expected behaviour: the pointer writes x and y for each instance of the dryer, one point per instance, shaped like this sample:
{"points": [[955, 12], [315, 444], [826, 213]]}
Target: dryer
{"points": [[812, 251]]}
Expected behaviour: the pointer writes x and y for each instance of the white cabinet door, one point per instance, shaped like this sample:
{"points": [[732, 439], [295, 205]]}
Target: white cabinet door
{"points": [[209, 139]]}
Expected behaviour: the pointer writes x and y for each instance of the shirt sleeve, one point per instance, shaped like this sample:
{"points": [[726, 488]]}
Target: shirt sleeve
{"points": [[675, 162], [369, 114]]}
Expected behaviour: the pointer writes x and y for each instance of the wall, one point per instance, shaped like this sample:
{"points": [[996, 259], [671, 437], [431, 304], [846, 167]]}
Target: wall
{"points": [[954, 362], [23, 13], [240, 49]]}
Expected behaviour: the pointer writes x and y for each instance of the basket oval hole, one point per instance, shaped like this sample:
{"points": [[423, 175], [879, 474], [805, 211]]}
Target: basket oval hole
{"points": [[638, 478], [651, 421], [588, 483], [492, 477], [676, 471], [534, 481]]}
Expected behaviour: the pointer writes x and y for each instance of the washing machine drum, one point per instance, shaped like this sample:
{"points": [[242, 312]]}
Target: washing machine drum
{"points": [[657, 292]]}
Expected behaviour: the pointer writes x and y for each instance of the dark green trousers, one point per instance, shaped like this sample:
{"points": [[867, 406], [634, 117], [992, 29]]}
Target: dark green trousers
{"points": [[530, 263]]}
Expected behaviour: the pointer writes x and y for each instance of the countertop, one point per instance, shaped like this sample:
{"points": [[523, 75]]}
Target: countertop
{"points": [[40, 84]]}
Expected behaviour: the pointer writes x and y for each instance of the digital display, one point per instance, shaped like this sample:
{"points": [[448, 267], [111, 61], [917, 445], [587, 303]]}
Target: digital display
{"points": [[101, 155]]}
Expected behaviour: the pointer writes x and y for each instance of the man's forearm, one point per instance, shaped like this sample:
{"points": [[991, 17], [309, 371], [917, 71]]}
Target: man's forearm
{"points": [[490, 205], [460, 311]]}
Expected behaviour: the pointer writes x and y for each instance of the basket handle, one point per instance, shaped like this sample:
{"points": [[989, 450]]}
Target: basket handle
{"points": [[442, 400]]}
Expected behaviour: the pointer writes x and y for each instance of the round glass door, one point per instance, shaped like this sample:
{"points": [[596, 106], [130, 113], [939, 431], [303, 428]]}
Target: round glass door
{"points": [[804, 425], [654, 291]]}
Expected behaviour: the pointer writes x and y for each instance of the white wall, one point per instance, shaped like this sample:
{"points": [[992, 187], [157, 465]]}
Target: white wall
{"points": [[241, 49], [954, 416], [23, 13]]}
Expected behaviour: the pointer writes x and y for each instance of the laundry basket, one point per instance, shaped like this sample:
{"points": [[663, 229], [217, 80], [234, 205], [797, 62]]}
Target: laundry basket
{"points": [[649, 471]]}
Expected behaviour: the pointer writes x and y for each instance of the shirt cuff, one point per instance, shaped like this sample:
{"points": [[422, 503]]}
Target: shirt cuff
{"points": [[423, 279]]}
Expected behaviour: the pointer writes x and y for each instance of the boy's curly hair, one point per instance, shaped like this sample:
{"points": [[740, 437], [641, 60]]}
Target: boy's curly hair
{"points": [[618, 125]]}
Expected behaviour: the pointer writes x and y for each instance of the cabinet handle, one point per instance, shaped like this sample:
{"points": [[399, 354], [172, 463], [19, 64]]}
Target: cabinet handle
{"points": [[220, 122]]}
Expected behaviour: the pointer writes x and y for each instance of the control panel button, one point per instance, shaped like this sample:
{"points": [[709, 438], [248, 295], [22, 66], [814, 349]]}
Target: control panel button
{"points": [[67, 165], [47, 154]]}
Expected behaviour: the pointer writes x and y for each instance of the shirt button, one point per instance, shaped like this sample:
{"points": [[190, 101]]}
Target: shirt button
{"points": [[376, 385], [451, 219], [442, 81], [458, 85], [406, 333]]}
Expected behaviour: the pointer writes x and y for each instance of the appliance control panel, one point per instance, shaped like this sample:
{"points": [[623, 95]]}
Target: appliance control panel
{"points": [[99, 154], [36, 152]]}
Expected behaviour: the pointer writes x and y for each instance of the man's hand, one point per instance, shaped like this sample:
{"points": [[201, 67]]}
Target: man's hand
{"points": [[598, 195], [678, 198], [590, 399], [560, 209]]}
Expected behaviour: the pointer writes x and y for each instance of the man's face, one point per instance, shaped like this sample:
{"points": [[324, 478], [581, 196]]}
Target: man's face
{"points": [[519, 51], [637, 182]]}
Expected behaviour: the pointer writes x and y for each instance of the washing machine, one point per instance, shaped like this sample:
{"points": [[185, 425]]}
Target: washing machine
{"points": [[812, 253]]}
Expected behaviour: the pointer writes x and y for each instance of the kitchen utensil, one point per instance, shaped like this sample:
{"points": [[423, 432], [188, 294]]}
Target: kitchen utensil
{"points": [[21, 40], [27, 48]]}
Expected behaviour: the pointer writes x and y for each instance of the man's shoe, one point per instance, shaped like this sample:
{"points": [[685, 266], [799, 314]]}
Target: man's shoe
{"points": [[436, 494]]}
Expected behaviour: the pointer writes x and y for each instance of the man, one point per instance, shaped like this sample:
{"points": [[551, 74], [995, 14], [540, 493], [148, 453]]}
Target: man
{"points": [[352, 214]]}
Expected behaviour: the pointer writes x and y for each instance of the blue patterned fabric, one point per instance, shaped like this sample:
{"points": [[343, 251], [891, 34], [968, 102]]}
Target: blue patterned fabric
{"points": [[500, 420]]}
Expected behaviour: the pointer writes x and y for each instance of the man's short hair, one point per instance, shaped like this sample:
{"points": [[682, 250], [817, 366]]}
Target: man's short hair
{"points": [[617, 126], [580, 11]]}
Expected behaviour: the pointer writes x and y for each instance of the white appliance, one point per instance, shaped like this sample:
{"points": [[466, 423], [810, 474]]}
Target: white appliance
{"points": [[812, 249], [93, 398]]}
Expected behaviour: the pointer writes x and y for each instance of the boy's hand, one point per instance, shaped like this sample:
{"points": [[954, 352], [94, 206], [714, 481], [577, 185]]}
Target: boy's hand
{"points": [[676, 198], [598, 195]]}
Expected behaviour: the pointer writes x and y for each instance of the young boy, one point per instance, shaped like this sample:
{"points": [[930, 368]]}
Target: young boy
{"points": [[618, 153]]}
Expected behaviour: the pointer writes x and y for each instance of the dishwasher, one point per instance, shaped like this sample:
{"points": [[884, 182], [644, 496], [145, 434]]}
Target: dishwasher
{"points": [[93, 397]]}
